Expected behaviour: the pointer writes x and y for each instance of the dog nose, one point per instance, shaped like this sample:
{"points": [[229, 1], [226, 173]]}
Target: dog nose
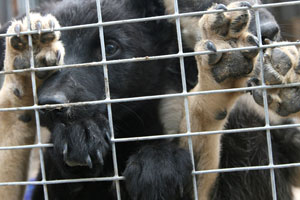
{"points": [[270, 31], [52, 113], [58, 98]]}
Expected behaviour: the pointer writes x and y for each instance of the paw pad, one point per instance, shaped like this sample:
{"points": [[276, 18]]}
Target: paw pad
{"points": [[227, 30], [47, 49], [280, 66]]}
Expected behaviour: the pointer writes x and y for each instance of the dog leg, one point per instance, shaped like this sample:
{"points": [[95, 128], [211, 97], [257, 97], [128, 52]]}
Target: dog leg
{"points": [[18, 128], [218, 71], [281, 65]]}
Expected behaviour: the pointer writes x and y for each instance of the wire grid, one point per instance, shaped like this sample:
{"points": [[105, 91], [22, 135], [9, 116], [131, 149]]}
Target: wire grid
{"points": [[116, 178]]}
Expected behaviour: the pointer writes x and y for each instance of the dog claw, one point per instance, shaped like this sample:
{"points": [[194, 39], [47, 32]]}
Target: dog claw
{"points": [[100, 157], [221, 7], [253, 40], [268, 41], [258, 97], [245, 4], [58, 57], [108, 135], [256, 42], [215, 57], [18, 29], [89, 162], [267, 58], [39, 27], [65, 152], [52, 25], [251, 83], [211, 46]]}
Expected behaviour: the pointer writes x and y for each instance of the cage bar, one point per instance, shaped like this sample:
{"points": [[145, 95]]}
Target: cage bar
{"points": [[109, 101]]}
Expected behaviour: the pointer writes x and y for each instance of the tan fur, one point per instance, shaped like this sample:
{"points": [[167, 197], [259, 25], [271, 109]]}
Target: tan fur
{"points": [[14, 163], [204, 108], [13, 131], [292, 52], [16, 92], [169, 6]]}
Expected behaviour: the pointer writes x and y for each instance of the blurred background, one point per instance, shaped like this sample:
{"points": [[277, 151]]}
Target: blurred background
{"points": [[12, 8], [288, 17]]}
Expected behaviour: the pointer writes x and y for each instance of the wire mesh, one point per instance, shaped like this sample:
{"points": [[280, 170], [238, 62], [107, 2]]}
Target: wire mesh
{"points": [[35, 100], [266, 109], [108, 101]]}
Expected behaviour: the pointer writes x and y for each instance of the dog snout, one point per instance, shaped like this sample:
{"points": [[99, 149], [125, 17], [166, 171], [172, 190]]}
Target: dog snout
{"points": [[270, 31], [57, 98]]}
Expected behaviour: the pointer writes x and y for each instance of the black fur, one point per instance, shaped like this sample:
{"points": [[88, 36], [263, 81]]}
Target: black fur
{"points": [[250, 149], [84, 129], [154, 170]]}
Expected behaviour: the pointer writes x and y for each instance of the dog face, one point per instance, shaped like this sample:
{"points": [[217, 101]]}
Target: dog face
{"points": [[82, 46], [81, 134]]}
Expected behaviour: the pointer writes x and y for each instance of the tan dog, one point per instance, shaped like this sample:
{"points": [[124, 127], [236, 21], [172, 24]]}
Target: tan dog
{"points": [[230, 70], [218, 71], [18, 128]]}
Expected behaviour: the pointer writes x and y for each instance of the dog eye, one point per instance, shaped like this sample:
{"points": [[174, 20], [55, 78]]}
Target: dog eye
{"points": [[111, 48]]}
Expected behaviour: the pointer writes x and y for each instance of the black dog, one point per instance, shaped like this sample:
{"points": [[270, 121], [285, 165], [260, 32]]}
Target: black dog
{"points": [[154, 169], [81, 134]]}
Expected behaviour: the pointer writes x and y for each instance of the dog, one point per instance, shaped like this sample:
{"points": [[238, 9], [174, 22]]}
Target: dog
{"points": [[232, 70], [158, 169], [18, 128]]}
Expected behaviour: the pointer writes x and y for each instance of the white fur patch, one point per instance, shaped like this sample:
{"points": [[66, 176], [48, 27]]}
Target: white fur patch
{"points": [[170, 113]]}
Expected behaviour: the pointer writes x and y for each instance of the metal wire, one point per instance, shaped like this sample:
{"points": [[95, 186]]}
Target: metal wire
{"points": [[35, 101], [186, 103], [148, 58], [107, 94], [171, 16], [131, 99], [108, 101], [265, 103]]}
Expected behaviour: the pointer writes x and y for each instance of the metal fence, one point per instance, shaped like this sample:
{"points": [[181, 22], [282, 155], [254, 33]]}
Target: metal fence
{"points": [[108, 101]]}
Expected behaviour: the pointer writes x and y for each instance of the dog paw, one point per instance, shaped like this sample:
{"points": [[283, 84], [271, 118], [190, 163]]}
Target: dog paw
{"points": [[281, 65], [226, 30], [82, 143], [47, 49], [158, 172]]}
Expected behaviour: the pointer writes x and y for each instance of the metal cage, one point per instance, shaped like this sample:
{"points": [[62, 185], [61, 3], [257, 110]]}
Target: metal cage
{"points": [[108, 101]]}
